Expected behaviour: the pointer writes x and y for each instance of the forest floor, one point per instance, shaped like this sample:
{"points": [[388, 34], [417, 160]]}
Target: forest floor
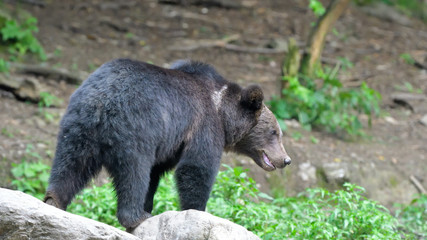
{"points": [[80, 35]]}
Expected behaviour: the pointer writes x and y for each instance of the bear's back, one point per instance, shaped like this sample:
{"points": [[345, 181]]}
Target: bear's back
{"points": [[132, 98], [133, 79]]}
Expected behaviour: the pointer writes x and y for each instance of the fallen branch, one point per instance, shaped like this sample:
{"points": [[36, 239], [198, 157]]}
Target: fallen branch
{"points": [[216, 3], [191, 45], [50, 72], [116, 5], [237, 48], [417, 184], [403, 96], [115, 26], [193, 16]]}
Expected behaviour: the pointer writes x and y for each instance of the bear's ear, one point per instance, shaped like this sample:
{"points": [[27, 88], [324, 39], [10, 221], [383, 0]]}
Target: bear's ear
{"points": [[252, 97]]}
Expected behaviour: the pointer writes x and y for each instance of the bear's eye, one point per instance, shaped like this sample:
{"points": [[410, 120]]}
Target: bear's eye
{"points": [[273, 132]]}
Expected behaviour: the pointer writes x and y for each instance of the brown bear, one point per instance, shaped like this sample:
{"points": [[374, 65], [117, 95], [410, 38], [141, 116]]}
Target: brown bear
{"points": [[139, 120]]}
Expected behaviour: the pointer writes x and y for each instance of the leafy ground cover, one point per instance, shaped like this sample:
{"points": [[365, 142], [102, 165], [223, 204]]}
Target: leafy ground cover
{"points": [[313, 214]]}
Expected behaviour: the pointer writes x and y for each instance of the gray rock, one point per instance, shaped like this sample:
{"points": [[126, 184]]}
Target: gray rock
{"points": [[9, 82], [25, 217], [336, 174], [423, 120], [191, 224], [307, 172], [29, 89], [23, 87]]}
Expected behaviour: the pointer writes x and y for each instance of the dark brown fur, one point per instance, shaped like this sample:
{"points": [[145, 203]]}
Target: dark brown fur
{"points": [[140, 121], [265, 138]]}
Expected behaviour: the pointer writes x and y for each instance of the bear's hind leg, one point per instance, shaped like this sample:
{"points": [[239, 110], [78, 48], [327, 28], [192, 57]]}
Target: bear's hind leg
{"points": [[73, 166], [131, 177]]}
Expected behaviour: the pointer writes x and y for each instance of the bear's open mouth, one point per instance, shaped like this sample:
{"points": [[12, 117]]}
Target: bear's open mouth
{"points": [[267, 160]]}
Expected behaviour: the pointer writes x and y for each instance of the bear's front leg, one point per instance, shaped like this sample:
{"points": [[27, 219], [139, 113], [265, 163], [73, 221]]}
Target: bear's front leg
{"points": [[195, 176]]}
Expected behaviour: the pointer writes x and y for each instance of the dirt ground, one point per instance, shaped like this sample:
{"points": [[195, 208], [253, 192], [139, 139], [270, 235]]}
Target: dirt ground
{"points": [[80, 35]]}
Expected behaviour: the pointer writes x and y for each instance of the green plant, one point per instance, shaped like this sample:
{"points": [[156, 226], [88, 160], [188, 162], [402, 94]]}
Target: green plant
{"points": [[413, 217], [48, 100], [313, 214], [31, 178], [327, 105], [97, 203], [129, 35], [91, 67], [31, 154], [407, 58], [49, 117], [317, 7], [297, 136], [407, 86], [74, 67], [57, 65], [57, 52], [314, 140], [19, 37], [345, 63], [415, 8], [343, 214], [166, 197], [236, 197], [4, 65], [7, 133]]}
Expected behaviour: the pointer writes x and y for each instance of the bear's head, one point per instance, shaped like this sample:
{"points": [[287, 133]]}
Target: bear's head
{"points": [[263, 143]]}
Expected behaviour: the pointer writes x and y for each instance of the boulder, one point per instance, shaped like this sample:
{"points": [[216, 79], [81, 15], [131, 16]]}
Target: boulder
{"points": [[423, 120], [25, 217], [191, 224]]}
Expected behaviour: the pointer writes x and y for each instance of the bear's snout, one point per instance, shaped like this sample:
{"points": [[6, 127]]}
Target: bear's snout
{"points": [[288, 161]]}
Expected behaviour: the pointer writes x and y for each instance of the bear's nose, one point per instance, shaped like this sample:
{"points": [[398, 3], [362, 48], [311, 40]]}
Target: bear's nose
{"points": [[287, 160]]}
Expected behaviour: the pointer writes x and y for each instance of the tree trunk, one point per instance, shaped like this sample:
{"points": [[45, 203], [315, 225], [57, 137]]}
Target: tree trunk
{"points": [[317, 36]]}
